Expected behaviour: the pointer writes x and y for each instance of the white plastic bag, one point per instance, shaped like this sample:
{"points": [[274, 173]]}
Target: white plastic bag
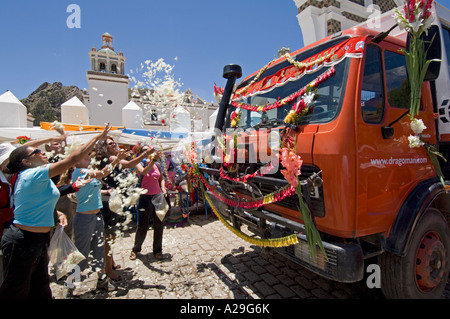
{"points": [[63, 253], [161, 205], [115, 202]]}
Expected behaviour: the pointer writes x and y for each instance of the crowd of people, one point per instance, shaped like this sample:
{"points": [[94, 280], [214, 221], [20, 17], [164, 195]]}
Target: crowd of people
{"points": [[40, 190]]}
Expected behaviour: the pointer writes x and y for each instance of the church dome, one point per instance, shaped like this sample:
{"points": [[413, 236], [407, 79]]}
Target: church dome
{"points": [[107, 51]]}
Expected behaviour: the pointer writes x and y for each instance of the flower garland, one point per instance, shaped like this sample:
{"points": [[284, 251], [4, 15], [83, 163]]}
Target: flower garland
{"points": [[230, 160], [305, 65], [260, 172], [416, 19], [292, 164], [235, 117], [167, 180], [257, 77], [272, 242], [271, 198], [281, 102], [300, 65]]}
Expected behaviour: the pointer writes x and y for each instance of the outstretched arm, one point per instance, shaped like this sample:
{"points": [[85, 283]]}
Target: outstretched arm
{"points": [[108, 168], [77, 155], [132, 163]]}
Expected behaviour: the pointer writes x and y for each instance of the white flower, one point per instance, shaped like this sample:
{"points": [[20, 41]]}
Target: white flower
{"points": [[417, 126], [57, 126], [416, 25], [308, 98], [402, 22], [414, 141], [428, 23]]}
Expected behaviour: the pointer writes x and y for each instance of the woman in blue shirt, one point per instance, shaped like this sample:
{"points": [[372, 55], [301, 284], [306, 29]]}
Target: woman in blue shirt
{"points": [[24, 244], [88, 224]]}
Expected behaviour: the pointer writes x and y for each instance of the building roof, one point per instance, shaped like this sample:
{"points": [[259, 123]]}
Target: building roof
{"points": [[73, 102], [132, 106], [10, 98]]}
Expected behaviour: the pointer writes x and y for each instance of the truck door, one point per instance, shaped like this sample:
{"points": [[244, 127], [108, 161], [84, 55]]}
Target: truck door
{"points": [[387, 168]]}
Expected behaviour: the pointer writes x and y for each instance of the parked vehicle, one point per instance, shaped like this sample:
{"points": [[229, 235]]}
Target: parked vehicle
{"points": [[370, 194]]}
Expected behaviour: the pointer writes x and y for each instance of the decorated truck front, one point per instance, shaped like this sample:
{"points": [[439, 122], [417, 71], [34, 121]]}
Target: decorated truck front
{"points": [[334, 115]]}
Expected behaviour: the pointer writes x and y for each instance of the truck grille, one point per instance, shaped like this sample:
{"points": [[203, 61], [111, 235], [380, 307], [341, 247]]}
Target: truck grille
{"points": [[266, 185]]}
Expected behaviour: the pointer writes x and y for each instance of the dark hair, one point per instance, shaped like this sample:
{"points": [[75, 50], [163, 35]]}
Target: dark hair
{"points": [[15, 164]]}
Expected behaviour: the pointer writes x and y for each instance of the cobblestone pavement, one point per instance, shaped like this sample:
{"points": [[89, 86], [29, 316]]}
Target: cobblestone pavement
{"points": [[204, 260]]}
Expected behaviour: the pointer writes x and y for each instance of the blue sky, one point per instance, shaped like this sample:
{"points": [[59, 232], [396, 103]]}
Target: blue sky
{"points": [[36, 45]]}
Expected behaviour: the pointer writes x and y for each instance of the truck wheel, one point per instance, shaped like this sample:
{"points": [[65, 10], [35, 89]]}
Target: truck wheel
{"points": [[423, 271]]}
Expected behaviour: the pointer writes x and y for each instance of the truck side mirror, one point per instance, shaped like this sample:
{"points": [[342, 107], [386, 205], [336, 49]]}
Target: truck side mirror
{"points": [[433, 50], [388, 131]]}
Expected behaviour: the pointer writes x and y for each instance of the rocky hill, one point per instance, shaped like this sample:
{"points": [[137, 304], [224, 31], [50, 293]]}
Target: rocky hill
{"points": [[45, 102]]}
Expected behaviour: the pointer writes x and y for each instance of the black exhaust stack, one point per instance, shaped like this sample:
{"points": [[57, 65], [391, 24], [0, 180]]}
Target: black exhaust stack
{"points": [[231, 72]]}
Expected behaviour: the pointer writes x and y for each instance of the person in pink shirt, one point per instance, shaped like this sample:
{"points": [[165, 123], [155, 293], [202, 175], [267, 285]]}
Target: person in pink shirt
{"points": [[152, 180]]}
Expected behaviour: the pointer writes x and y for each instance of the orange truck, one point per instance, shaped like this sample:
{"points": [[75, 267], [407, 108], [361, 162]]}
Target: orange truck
{"points": [[374, 200]]}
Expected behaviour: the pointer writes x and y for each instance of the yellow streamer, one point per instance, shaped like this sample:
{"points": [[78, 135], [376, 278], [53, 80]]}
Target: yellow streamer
{"points": [[272, 242]]}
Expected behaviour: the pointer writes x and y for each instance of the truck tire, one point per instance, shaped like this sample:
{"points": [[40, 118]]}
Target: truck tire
{"points": [[422, 272]]}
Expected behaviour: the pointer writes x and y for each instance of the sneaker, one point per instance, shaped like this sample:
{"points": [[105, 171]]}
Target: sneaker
{"points": [[104, 283]]}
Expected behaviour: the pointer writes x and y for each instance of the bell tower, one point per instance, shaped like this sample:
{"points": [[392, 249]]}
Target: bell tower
{"points": [[108, 85], [321, 18]]}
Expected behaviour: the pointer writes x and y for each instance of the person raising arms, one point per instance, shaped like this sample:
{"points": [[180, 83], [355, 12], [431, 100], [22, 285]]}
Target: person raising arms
{"points": [[25, 242], [107, 151], [88, 224]]}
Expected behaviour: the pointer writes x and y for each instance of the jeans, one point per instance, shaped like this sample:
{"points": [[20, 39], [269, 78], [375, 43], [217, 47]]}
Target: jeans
{"points": [[146, 211], [88, 234], [25, 265]]}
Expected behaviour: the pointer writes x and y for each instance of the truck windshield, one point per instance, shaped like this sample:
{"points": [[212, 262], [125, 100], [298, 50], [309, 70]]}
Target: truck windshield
{"points": [[324, 107]]}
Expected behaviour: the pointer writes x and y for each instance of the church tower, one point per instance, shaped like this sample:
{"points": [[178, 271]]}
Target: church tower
{"points": [[108, 85], [321, 18]]}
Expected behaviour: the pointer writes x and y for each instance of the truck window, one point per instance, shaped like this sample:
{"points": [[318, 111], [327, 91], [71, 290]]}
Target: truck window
{"points": [[372, 93], [326, 105], [397, 85]]}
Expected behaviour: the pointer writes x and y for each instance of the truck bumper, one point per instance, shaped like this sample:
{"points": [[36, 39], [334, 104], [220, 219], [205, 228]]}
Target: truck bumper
{"points": [[344, 262]]}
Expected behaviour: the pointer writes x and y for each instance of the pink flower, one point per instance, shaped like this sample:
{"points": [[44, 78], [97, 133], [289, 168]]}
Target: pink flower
{"points": [[299, 106], [292, 163], [218, 90]]}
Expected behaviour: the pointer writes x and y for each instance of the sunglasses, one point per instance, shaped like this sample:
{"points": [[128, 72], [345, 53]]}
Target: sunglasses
{"points": [[111, 143], [36, 151]]}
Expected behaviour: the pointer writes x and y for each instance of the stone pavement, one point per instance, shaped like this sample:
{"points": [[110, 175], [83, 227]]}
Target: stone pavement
{"points": [[204, 260]]}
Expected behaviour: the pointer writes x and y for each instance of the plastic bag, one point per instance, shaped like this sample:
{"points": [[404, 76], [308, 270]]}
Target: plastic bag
{"points": [[161, 205], [63, 253], [115, 202]]}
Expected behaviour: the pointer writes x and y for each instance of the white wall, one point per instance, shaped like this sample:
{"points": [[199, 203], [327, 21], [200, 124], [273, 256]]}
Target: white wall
{"points": [[102, 90]]}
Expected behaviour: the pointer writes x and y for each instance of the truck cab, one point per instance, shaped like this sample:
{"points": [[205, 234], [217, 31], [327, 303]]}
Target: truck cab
{"points": [[370, 194]]}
